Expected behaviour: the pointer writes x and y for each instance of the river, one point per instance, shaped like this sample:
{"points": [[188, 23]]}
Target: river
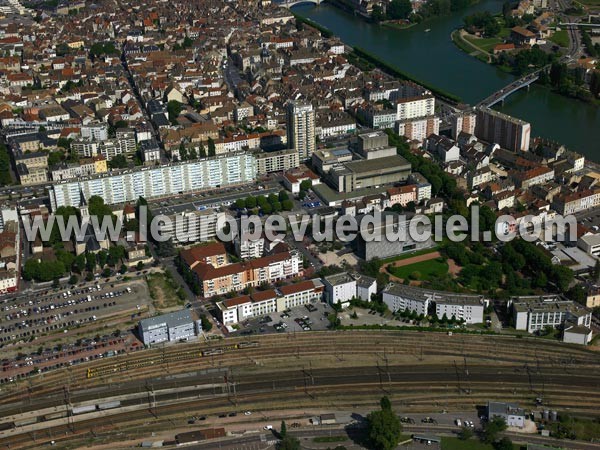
{"points": [[434, 58]]}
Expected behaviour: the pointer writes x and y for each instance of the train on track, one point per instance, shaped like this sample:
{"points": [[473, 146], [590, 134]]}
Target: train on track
{"points": [[76, 410], [166, 358]]}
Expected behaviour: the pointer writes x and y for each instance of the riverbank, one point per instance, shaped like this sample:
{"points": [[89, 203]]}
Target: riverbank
{"points": [[367, 61], [482, 49], [433, 58]]}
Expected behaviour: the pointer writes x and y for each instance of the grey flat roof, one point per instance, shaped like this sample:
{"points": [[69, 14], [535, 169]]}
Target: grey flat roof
{"points": [[328, 195], [431, 295], [373, 165], [501, 408], [339, 278], [173, 319]]}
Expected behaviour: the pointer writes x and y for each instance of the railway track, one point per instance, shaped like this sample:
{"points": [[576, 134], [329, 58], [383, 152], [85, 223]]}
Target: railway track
{"points": [[422, 370], [330, 387], [420, 345]]}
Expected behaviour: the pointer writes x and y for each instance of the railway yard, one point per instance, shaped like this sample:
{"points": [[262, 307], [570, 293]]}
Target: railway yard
{"points": [[133, 395]]}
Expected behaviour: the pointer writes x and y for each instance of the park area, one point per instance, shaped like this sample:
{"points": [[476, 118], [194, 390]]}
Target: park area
{"points": [[485, 44]]}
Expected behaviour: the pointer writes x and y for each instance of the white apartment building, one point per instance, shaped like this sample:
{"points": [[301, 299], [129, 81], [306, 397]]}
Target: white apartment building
{"points": [[469, 308], [534, 313], [278, 161], [152, 182], [96, 131], [398, 297], [261, 303], [340, 288], [574, 202], [301, 123], [192, 226], [414, 107]]}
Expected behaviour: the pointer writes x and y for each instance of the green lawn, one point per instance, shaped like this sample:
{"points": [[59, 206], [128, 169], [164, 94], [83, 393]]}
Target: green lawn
{"points": [[561, 38], [409, 255], [425, 269], [453, 443], [486, 44], [504, 33], [330, 439]]}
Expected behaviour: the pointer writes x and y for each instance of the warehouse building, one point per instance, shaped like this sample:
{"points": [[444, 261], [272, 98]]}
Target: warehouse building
{"points": [[168, 327]]}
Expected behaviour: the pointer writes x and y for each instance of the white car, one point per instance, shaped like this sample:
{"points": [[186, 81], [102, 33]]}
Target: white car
{"points": [[247, 413], [268, 427]]}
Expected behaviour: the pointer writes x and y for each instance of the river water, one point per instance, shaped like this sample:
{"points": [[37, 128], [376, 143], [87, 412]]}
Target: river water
{"points": [[432, 57]]}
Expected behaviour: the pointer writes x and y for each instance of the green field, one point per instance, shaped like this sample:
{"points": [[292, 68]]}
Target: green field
{"points": [[330, 439], [425, 251], [424, 270], [486, 44], [561, 38], [453, 443]]}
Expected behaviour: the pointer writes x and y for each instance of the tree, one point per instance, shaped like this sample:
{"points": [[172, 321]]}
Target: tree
{"points": [[123, 269], [399, 9], [202, 150], [503, 444], [240, 203], [283, 431], [289, 443], [118, 162], [206, 324], [5, 178], [174, 108], [465, 434], [267, 209], [383, 427], [287, 205], [377, 15], [385, 403], [211, 147], [595, 83], [305, 185], [250, 202], [492, 428], [183, 153], [283, 196]]}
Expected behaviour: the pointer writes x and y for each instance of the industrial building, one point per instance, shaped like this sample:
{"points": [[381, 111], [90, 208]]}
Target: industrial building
{"points": [[168, 327], [366, 173], [510, 412], [391, 236]]}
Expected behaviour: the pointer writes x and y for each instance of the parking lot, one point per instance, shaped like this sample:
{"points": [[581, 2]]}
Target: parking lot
{"points": [[293, 320], [589, 219], [29, 317]]}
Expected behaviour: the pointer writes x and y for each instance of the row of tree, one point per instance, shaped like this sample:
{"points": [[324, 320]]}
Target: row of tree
{"points": [[267, 205]]}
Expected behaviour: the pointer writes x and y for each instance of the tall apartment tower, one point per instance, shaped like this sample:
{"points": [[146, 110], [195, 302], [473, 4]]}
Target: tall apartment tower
{"points": [[508, 132], [301, 129], [463, 122]]}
